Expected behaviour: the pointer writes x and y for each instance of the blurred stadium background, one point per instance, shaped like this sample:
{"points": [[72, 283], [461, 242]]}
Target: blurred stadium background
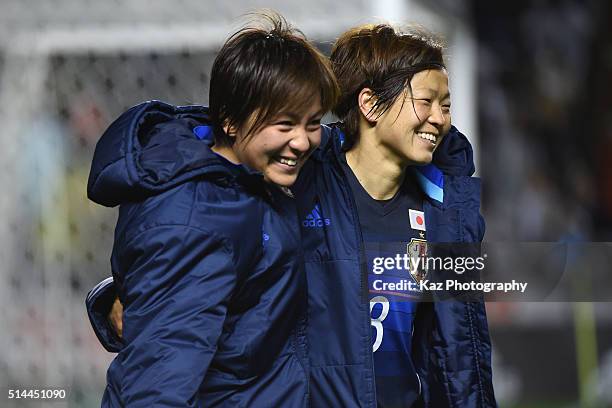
{"points": [[531, 88]]}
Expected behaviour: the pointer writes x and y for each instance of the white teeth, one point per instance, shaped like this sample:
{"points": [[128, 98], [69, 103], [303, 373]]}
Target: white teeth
{"points": [[288, 162], [427, 136]]}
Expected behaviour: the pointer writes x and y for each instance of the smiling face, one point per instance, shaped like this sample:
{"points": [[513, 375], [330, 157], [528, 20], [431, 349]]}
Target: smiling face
{"points": [[412, 134], [279, 148]]}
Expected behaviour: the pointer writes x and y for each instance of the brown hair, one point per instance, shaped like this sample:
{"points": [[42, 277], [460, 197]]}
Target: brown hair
{"points": [[383, 59], [263, 70]]}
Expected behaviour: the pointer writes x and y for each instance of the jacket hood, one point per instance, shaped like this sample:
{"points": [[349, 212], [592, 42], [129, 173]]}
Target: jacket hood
{"points": [[151, 148]]}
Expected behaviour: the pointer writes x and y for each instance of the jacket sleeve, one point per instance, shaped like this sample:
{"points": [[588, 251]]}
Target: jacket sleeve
{"points": [[99, 303], [177, 282]]}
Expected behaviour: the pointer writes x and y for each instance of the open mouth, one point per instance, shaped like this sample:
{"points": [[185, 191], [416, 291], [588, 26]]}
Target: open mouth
{"points": [[430, 137], [287, 163]]}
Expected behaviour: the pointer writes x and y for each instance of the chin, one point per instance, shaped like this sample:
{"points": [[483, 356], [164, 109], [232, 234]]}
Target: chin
{"points": [[422, 160], [282, 180]]}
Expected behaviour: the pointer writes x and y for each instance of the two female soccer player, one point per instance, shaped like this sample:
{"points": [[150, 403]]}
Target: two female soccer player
{"points": [[227, 302]]}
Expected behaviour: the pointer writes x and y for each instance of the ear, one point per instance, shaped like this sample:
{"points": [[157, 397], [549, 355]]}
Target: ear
{"points": [[366, 101]]}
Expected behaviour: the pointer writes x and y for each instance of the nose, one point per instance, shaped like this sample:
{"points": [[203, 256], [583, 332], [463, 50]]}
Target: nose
{"points": [[436, 116], [299, 141]]}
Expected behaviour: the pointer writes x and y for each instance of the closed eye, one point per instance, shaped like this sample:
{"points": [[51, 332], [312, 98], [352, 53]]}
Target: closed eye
{"points": [[314, 125], [284, 123]]}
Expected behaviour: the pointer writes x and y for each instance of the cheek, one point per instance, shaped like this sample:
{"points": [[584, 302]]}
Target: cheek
{"points": [[255, 155], [419, 113], [315, 140], [260, 148], [447, 125]]}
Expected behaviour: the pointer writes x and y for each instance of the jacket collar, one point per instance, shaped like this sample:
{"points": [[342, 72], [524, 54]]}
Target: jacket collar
{"points": [[429, 177]]}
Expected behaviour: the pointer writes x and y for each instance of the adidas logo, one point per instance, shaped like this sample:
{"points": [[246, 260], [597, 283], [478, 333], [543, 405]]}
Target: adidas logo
{"points": [[314, 219]]}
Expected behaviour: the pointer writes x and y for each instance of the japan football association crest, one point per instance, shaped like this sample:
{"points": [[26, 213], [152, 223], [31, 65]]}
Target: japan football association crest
{"points": [[417, 254]]}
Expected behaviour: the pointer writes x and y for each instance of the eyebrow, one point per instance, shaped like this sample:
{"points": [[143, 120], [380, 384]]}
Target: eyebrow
{"points": [[296, 116], [432, 91], [318, 113]]}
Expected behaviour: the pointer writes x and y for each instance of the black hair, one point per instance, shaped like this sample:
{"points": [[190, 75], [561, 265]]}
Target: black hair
{"points": [[383, 59], [263, 70]]}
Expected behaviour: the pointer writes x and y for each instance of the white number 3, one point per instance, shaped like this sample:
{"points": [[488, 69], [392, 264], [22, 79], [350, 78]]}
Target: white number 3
{"points": [[377, 322]]}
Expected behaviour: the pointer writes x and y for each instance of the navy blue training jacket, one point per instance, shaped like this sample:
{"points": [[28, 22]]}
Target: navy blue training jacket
{"points": [[452, 347], [207, 263]]}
